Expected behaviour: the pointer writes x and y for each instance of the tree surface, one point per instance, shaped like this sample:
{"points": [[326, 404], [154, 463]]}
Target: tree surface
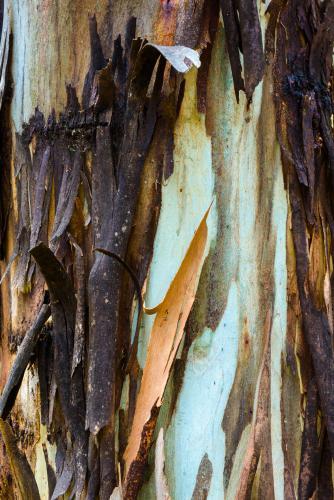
{"points": [[166, 225]]}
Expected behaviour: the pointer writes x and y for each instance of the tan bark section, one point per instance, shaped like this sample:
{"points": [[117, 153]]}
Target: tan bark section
{"points": [[167, 331]]}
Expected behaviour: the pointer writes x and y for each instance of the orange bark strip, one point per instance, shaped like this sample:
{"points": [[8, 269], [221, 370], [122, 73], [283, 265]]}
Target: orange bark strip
{"points": [[165, 338]]}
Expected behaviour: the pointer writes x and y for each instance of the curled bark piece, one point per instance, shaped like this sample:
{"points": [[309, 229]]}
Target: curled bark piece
{"points": [[21, 361], [180, 57], [107, 455], [102, 327], [23, 475]]}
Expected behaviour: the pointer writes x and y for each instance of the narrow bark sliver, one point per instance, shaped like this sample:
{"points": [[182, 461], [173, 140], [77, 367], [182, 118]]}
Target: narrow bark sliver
{"points": [[70, 387]]}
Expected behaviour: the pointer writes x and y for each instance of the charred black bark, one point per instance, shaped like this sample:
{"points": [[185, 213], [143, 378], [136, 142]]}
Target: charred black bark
{"points": [[243, 34], [302, 77], [70, 387]]}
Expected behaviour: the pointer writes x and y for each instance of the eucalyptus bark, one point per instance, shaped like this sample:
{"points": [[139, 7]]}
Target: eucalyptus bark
{"points": [[179, 154]]}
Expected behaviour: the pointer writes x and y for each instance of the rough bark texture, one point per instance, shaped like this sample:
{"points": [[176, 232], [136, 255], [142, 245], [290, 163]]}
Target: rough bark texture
{"points": [[121, 123]]}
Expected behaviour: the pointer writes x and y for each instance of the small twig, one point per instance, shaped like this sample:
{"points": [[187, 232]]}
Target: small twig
{"points": [[21, 361]]}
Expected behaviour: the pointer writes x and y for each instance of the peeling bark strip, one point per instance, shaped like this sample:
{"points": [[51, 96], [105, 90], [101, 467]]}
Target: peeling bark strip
{"points": [[63, 306], [243, 33], [165, 337], [303, 71], [70, 388], [22, 359]]}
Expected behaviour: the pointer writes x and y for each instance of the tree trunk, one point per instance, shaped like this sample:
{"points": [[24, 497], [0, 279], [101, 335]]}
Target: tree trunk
{"points": [[179, 154]]}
